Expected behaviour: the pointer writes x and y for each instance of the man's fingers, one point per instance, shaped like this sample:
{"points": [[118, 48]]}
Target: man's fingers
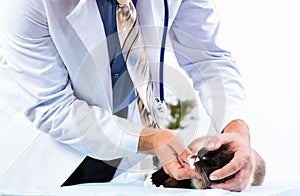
{"points": [[217, 141], [180, 168], [173, 156], [231, 185], [238, 183], [183, 156], [214, 143], [231, 168], [177, 171]]}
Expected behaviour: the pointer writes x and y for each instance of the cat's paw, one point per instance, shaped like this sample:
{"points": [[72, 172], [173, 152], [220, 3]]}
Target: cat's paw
{"points": [[148, 181]]}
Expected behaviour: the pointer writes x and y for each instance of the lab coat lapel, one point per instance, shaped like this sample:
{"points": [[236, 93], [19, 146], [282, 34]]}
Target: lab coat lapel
{"points": [[86, 21]]}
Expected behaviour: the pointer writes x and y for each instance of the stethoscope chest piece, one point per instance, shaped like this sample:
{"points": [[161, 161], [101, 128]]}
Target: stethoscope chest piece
{"points": [[159, 109]]}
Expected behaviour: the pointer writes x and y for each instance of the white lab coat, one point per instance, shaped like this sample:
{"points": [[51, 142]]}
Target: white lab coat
{"points": [[58, 84]]}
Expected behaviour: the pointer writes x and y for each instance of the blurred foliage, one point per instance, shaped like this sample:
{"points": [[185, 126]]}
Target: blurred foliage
{"points": [[178, 112]]}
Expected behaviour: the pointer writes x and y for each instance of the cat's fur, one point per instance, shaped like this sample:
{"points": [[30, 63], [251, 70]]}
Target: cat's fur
{"points": [[205, 162]]}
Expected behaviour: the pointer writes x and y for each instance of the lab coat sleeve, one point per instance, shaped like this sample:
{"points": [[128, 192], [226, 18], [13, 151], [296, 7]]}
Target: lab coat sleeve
{"points": [[43, 90], [194, 36]]}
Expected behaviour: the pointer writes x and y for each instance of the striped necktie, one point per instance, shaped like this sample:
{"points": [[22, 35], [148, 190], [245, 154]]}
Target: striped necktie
{"points": [[134, 53]]}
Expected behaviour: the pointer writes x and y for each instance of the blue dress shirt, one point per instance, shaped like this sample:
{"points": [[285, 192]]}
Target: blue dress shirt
{"points": [[121, 83]]}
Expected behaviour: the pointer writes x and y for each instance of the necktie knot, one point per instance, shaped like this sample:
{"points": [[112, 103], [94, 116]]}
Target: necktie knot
{"points": [[126, 20], [123, 2]]}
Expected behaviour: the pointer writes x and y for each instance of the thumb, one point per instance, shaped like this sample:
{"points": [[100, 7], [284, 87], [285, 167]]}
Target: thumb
{"points": [[183, 156]]}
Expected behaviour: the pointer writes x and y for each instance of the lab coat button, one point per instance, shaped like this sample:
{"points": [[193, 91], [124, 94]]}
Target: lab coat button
{"points": [[116, 75]]}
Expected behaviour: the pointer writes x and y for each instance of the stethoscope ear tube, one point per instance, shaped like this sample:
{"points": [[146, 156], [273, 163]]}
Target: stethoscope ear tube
{"points": [[162, 52]]}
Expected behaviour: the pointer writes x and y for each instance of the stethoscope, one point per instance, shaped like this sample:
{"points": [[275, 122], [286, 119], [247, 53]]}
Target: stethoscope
{"points": [[162, 51], [159, 107]]}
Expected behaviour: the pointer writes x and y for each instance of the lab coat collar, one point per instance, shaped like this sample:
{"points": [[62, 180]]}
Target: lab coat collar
{"points": [[92, 32]]}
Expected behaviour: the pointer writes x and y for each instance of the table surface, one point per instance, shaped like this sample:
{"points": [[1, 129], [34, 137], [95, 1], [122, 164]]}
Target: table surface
{"points": [[135, 187]]}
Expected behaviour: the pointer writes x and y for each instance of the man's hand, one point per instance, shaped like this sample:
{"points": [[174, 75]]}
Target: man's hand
{"points": [[169, 149], [236, 136]]}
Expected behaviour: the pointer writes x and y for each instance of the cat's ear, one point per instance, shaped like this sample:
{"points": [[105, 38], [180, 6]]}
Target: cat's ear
{"points": [[192, 159], [203, 151]]}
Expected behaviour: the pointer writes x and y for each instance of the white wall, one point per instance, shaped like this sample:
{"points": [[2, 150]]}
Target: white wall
{"points": [[264, 38]]}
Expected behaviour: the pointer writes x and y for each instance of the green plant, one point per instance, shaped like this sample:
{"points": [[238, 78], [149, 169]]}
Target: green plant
{"points": [[178, 112]]}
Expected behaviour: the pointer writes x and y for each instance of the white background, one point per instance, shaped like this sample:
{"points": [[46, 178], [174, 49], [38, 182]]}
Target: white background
{"points": [[264, 38]]}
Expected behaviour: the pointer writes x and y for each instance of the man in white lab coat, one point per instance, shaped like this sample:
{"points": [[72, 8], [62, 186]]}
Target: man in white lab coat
{"points": [[58, 88]]}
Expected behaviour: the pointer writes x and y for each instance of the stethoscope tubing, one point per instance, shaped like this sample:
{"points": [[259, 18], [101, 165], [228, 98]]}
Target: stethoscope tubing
{"points": [[162, 52]]}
